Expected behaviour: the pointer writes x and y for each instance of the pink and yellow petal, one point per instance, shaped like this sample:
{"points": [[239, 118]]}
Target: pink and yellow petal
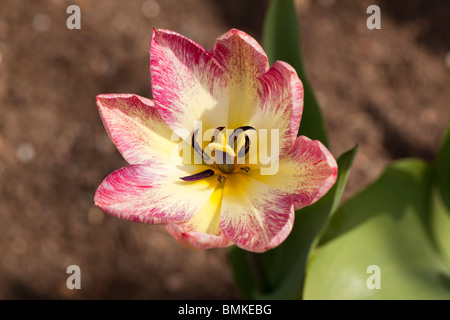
{"points": [[261, 97], [244, 61], [254, 215], [187, 84], [240, 55], [202, 231], [188, 237], [153, 193], [135, 126], [305, 174], [280, 104]]}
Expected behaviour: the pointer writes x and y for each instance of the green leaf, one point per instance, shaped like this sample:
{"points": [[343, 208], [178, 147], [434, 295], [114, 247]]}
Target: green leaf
{"points": [[345, 163], [440, 225], [282, 42], [390, 224], [279, 273], [245, 274], [443, 168], [333, 198], [440, 219]]}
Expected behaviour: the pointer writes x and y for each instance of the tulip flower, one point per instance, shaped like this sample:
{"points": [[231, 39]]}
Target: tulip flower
{"points": [[249, 110]]}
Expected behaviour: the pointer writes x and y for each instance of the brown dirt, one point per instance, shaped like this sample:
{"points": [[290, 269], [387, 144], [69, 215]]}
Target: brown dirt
{"points": [[386, 90]]}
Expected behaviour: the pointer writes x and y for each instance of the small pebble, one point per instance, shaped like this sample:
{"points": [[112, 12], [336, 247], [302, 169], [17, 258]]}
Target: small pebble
{"points": [[25, 152], [150, 8], [447, 60], [41, 22]]}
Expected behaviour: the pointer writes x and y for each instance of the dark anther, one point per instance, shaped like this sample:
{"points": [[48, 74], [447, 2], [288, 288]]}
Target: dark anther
{"points": [[199, 175], [245, 148], [233, 138], [237, 132], [246, 169], [216, 133], [221, 179], [197, 148]]}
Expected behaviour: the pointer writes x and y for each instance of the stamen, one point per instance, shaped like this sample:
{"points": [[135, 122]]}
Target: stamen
{"points": [[224, 154], [199, 175]]}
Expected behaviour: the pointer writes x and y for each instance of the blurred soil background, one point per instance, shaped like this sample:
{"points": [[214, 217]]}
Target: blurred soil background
{"points": [[386, 90]]}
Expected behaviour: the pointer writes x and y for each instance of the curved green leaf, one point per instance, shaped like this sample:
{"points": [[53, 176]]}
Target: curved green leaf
{"points": [[388, 225], [282, 42], [443, 168], [440, 225], [440, 220]]}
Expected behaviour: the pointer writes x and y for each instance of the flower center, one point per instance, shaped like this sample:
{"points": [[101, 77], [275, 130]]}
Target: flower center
{"points": [[221, 153]]}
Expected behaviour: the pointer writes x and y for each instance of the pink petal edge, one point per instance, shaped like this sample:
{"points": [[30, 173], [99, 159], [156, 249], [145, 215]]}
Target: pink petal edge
{"points": [[265, 217], [181, 70], [225, 49], [150, 193], [134, 125], [197, 240]]}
